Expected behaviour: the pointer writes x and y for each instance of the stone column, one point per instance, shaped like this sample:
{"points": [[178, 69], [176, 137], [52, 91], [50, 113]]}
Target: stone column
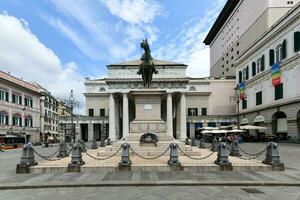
{"points": [[125, 115], [169, 115], [112, 127], [90, 132], [182, 117]]}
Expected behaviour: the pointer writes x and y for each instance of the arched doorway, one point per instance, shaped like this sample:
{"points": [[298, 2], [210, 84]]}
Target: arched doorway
{"points": [[279, 125]]}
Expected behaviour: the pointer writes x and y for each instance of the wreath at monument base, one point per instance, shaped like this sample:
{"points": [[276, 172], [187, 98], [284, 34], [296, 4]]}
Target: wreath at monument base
{"points": [[149, 138]]}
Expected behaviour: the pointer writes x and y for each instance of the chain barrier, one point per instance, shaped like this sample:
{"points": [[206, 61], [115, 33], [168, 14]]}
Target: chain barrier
{"points": [[69, 150], [49, 157], [105, 158], [229, 146], [252, 155], [149, 158], [202, 158]]}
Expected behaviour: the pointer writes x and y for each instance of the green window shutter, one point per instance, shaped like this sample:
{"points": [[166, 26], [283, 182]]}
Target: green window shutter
{"points": [[297, 41], [240, 77], [253, 69], [14, 98], [259, 98], [247, 72], [6, 119], [272, 56], [284, 53], [262, 68], [6, 96]]}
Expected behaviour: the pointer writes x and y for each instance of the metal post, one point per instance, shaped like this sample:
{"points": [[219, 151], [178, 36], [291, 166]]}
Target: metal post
{"points": [[236, 98], [174, 161], [27, 160], [72, 103], [273, 158], [222, 158], [62, 152], [235, 148], [76, 159], [94, 144], [125, 163]]}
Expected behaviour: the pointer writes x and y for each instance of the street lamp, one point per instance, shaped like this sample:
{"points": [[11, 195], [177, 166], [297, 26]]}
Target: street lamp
{"points": [[237, 99], [72, 104]]}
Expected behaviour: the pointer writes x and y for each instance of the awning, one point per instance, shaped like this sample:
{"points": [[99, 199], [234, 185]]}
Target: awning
{"points": [[208, 128], [236, 131], [244, 121], [252, 127], [50, 138], [259, 118]]}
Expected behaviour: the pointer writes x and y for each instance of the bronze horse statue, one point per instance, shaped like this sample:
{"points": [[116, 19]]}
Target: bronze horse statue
{"points": [[147, 67]]}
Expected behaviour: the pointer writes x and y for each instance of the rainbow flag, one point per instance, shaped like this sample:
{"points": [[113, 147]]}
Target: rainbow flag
{"points": [[242, 91], [276, 74]]}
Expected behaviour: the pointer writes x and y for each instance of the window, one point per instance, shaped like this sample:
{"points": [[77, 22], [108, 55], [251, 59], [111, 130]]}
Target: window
{"points": [[28, 121], [102, 112], [3, 118], [297, 41], [192, 111], [17, 99], [91, 112], [28, 102], [240, 77], [212, 124], [272, 57], [204, 111], [3, 95], [259, 98], [281, 52], [253, 68], [17, 120], [245, 73], [244, 104], [279, 91]]}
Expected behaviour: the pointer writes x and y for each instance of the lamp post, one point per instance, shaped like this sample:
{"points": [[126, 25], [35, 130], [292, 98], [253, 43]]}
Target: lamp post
{"points": [[237, 98], [72, 104]]}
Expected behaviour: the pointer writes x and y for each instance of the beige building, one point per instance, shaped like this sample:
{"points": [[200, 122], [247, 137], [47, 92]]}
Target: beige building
{"points": [[239, 24], [270, 71], [49, 114], [174, 106], [19, 108]]}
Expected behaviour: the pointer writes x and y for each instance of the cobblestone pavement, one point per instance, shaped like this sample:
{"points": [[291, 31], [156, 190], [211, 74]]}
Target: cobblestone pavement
{"points": [[289, 154]]}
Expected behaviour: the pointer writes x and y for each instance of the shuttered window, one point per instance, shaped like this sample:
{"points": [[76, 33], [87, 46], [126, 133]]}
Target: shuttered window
{"points": [[272, 56], [262, 67], [240, 77], [244, 104], [259, 98], [284, 52], [279, 91], [297, 41], [253, 69]]}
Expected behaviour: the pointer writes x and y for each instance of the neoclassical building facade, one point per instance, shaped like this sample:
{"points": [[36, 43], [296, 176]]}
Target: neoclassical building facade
{"points": [[269, 71], [174, 106]]}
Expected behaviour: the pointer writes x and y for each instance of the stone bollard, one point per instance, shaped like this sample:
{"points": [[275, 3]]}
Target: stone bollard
{"points": [[187, 141], [201, 144], [222, 159], [27, 160], [174, 161], [272, 157], [125, 163], [108, 142], [76, 159], [62, 152], [214, 146], [94, 144], [193, 142], [82, 145], [1, 148], [235, 149], [102, 143]]}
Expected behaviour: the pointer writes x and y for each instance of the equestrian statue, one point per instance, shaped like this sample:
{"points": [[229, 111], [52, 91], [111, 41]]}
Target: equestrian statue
{"points": [[147, 67]]}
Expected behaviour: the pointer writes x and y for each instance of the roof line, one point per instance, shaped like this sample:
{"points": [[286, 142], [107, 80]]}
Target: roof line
{"points": [[222, 18]]}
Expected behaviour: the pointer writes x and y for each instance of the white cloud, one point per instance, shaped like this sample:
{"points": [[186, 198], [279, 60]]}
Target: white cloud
{"points": [[134, 11], [187, 46], [25, 56], [135, 22], [79, 41]]}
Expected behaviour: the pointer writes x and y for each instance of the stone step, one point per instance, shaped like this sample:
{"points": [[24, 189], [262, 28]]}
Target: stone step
{"points": [[137, 137]]}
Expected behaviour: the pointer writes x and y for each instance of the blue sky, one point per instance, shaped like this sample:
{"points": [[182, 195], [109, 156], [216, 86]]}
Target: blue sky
{"points": [[58, 43]]}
